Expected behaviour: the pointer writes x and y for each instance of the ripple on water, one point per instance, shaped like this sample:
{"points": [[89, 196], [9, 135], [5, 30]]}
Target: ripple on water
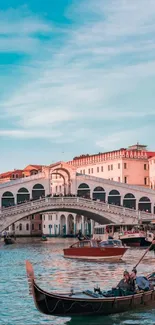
{"points": [[54, 273]]}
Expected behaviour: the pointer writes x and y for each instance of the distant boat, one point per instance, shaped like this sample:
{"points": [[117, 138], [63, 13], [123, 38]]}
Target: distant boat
{"points": [[9, 241], [44, 238], [110, 250]]}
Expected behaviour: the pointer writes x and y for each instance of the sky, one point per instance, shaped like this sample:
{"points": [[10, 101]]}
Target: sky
{"points": [[76, 77]]}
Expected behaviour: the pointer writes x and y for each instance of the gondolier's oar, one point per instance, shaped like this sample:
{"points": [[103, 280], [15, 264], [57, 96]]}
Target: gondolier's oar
{"points": [[149, 249]]}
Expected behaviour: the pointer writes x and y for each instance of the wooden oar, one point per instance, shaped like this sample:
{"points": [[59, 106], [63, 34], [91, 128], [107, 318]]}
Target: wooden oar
{"points": [[147, 250]]}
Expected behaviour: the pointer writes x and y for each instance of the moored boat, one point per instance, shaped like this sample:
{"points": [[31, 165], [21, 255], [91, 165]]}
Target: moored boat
{"points": [[135, 237], [110, 250], [44, 238], [9, 241], [86, 302]]}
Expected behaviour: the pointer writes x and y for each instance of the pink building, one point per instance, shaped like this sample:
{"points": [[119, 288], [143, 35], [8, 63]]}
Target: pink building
{"points": [[129, 165]]}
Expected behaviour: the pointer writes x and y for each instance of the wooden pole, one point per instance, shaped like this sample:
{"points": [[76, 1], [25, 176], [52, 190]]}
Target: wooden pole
{"points": [[147, 250]]}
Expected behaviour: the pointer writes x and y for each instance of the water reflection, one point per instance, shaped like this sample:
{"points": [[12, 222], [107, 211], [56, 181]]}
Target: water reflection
{"points": [[55, 273]]}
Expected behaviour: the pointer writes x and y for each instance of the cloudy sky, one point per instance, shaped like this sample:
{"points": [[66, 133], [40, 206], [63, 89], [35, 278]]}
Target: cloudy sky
{"points": [[76, 76]]}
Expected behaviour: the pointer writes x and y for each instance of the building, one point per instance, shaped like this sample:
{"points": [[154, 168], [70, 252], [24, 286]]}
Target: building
{"points": [[19, 173], [134, 165], [129, 165]]}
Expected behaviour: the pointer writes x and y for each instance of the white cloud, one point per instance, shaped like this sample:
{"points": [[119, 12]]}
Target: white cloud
{"points": [[98, 62], [23, 134]]}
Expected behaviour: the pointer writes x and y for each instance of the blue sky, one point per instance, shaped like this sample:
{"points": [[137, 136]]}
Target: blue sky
{"points": [[76, 77]]}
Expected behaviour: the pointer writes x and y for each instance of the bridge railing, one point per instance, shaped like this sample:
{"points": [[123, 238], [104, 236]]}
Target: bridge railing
{"points": [[110, 182], [77, 201], [23, 180]]}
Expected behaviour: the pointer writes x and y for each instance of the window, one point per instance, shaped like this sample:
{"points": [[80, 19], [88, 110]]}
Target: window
{"points": [[50, 217], [92, 170], [27, 227], [40, 217], [84, 171], [119, 179], [101, 168], [39, 226], [108, 167], [56, 176], [20, 227], [145, 180], [56, 188], [89, 171], [111, 167], [59, 188], [119, 166], [112, 179], [124, 165], [32, 217], [80, 171], [125, 179], [144, 166], [56, 217], [97, 169], [44, 226], [32, 226]]}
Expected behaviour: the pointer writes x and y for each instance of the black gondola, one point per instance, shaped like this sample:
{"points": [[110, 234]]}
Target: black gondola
{"points": [[86, 302], [9, 241]]}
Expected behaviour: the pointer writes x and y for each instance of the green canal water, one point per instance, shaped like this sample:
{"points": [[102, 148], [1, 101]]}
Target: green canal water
{"points": [[54, 273]]}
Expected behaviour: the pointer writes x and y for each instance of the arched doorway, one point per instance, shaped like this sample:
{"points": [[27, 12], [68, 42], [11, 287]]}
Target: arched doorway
{"points": [[7, 199], [38, 191], [114, 197], [83, 191], [129, 201], [70, 225], [144, 204], [67, 173], [60, 190], [62, 225], [23, 195], [99, 193]]}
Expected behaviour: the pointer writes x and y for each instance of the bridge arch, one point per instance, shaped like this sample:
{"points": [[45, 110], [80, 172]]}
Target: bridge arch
{"points": [[114, 197], [83, 190], [62, 225], [67, 174], [38, 191], [23, 195], [144, 204], [7, 199], [57, 173], [70, 224], [99, 193], [129, 201]]}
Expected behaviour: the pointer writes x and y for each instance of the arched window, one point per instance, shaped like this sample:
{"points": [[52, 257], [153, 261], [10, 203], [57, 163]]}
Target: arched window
{"points": [[38, 191], [7, 199], [129, 201], [83, 190], [99, 193], [144, 204], [114, 197], [23, 195]]}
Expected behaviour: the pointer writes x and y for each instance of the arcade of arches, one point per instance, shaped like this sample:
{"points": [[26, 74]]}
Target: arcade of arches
{"points": [[23, 195], [114, 197]]}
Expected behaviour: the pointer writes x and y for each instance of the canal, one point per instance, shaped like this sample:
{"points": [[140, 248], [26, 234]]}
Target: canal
{"points": [[54, 273]]}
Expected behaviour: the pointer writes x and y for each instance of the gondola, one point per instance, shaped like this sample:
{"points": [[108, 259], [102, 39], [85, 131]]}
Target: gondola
{"points": [[86, 302], [9, 241]]}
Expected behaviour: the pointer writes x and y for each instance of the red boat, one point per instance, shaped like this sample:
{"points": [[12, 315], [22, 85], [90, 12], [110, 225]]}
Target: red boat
{"points": [[110, 250]]}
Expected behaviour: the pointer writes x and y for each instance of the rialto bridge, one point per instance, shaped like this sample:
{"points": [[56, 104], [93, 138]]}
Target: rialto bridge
{"points": [[54, 190]]}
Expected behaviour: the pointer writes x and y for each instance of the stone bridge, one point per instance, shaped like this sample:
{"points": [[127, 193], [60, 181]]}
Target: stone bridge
{"points": [[100, 212]]}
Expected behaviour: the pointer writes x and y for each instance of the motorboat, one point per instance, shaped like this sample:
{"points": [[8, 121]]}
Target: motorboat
{"points": [[106, 250]]}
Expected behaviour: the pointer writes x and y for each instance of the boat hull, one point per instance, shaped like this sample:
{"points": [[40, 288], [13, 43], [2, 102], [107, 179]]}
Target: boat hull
{"points": [[97, 253], [83, 303], [135, 242]]}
